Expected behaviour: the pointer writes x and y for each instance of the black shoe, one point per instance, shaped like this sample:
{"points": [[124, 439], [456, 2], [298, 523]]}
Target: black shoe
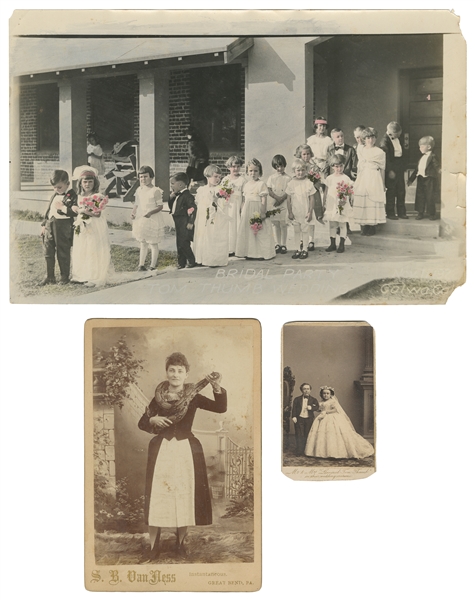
{"points": [[191, 266], [181, 266], [371, 229], [142, 268], [278, 249], [433, 218], [63, 282], [231, 254], [403, 216], [332, 246], [303, 254], [311, 247], [341, 247], [392, 217], [47, 281], [283, 249], [296, 254], [419, 217]]}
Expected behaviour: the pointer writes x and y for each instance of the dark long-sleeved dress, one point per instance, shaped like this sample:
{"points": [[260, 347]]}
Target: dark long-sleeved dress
{"points": [[176, 487]]}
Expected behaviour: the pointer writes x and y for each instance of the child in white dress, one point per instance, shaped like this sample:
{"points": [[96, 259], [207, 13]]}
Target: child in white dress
{"points": [[301, 202], [95, 155], [147, 217], [211, 241], [317, 231], [236, 182], [259, 241], [319, 143], [91, 256], [276, 184], [370, 195], [338, 211]]}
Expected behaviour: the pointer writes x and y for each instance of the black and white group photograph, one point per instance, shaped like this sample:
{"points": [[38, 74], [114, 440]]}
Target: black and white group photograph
{"points": [[328, 400], [149, 165], [172, 452]]}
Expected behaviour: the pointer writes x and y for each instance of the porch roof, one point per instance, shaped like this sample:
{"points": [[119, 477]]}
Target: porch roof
{"points": [[38, 58]]}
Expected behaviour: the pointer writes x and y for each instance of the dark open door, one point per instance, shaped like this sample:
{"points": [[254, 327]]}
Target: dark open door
{"points": [[421, 109]]}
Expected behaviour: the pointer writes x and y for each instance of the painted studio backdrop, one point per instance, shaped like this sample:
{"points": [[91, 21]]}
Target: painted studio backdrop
{"points": [[128, 364]]}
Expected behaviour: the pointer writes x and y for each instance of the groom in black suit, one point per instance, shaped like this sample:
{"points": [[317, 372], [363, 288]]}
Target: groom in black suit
{"points": [[302, 416], [183, 209]]}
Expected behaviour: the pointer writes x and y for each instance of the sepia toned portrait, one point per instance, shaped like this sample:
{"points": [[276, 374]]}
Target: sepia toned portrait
{"points": [[172, 455], [328, 401], [298, 153]]}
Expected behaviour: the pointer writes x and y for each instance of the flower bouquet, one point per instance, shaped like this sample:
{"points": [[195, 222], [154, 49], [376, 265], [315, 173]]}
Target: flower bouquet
{"points": [[224, 191], [256, 223], [315, 177], [273, 212], [89, 205], [344, 194]]}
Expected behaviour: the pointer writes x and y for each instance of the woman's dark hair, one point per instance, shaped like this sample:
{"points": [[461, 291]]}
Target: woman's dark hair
{"points": [[301, 387], [332, 392], [146, 169], [177, 359], [279, 161]]}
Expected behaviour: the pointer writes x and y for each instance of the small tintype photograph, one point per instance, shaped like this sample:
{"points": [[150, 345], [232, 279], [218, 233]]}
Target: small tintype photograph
{"points": [[172, 455], [328, 400], [237, 157]]}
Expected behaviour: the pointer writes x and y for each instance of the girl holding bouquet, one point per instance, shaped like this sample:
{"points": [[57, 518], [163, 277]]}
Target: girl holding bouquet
{"points": [[317, 231], [147, 217], [255, 237], [338, 198], [91, 257], [236, 182], [211, 242]]}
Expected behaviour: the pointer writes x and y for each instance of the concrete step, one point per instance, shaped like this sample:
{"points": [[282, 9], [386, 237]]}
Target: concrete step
{"points": [[409, 246], [424, 229]]}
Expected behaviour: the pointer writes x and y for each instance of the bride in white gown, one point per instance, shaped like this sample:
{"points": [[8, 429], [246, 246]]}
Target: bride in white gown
{"points": [[332, 434]]}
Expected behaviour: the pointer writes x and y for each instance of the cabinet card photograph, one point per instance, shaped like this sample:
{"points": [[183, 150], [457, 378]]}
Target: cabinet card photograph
{"points": [[173, 466], [328, 406], [154, 165]]}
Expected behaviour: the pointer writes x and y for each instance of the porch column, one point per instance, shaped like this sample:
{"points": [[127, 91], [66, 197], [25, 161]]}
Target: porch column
{"points": [[153, 125], [454, 140], [366, 385], [72, 124], [279, 98]]}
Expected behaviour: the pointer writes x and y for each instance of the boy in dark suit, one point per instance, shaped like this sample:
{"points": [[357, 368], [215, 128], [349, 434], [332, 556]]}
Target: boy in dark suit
{"points": [[348, 154], [395, 185], [183, 209], [427, 174], [302, 416], [57, 228]]}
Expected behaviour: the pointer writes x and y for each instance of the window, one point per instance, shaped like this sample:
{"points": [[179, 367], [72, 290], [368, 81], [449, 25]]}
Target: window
{"points": [[112, 108], [47, 104], [216, 106]]}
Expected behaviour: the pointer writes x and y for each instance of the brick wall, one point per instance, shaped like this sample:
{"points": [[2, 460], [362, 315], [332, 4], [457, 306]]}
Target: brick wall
{"points": [[180, 120], [27, 132]]}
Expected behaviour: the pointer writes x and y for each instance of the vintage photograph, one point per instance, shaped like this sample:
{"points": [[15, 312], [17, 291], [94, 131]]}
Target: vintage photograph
{"points": [[173, 479], [328, 401], [316, 153]]}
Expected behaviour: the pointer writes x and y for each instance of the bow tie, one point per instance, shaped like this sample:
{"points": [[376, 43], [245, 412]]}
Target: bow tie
{"points": [[339, 147]]}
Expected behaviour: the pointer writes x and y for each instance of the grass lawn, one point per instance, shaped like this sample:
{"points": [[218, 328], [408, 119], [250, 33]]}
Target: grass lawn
{"points": [[225, 541], [31, 267]]}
